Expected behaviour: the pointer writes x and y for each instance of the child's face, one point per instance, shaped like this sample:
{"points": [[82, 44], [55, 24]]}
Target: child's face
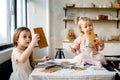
{"points": [[24, 39], [86, 26]]}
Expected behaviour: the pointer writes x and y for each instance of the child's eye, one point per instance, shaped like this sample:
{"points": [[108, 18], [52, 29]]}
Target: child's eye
{"points": [[30, 37], [85, 27], [90, 25], [24, 36]]}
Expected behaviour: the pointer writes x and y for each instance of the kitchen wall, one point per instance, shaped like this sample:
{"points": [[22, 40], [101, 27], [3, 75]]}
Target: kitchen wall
{"points": [[51, 18], [38, 11]]}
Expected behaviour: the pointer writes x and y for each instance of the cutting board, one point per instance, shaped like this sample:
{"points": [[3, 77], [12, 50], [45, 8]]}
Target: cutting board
{"points": [[42, 42]]}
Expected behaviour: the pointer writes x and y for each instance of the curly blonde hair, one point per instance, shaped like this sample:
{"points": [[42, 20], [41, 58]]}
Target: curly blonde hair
{"points": [[78, 20]]}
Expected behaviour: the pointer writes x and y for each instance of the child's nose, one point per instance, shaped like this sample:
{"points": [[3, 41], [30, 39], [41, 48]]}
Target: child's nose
{"points": [[28, 39], [90, 28]]}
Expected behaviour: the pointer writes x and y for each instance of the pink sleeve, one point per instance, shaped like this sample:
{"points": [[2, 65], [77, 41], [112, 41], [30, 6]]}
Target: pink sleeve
{"points": [[77, 43]]}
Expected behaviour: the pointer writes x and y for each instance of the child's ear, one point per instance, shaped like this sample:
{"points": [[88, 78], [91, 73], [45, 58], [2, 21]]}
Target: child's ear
{"points": [[76, 19]]}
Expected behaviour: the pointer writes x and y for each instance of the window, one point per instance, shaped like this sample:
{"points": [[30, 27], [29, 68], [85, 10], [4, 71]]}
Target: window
{"points": [[21, 13], [7, 21], [12, 15]]}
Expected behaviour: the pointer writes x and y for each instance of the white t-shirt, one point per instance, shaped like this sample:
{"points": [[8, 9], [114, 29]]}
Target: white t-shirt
{"points": [[21, 71]]}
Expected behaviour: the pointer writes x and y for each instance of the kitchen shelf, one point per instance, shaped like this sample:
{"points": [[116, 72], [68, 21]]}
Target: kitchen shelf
{"points": [[95, 9], [94, 20], [104, 8]]}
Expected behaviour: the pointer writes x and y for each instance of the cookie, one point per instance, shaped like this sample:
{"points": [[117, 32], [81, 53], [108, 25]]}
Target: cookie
{"points": [[92, 37]]}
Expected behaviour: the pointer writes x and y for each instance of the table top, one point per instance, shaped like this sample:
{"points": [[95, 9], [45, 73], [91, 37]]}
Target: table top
{"points": [[90, 73]]}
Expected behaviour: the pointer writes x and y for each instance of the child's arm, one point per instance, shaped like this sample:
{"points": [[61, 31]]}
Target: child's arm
{"points": [[27, 52], [45, 58], [76, 45]]}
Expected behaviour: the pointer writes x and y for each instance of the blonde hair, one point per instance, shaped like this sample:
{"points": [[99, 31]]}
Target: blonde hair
{"points": [[17, 33], [78, 20], [15, 39]]}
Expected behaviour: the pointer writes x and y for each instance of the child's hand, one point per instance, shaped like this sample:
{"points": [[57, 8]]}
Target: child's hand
{"points": [[100, 44], [46, 58], [73, 50], [36, 38]]}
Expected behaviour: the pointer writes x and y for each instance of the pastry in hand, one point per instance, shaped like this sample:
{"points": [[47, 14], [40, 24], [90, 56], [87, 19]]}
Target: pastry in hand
{"points": [[73, 50], [92, 37]]}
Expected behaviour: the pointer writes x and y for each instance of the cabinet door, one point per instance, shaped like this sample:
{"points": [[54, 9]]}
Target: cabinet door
{"points": [[67, 50], [111, 49]]}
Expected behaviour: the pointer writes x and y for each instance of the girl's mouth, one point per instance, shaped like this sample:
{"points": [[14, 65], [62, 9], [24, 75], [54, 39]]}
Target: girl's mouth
{"points": [[27, 42]]}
